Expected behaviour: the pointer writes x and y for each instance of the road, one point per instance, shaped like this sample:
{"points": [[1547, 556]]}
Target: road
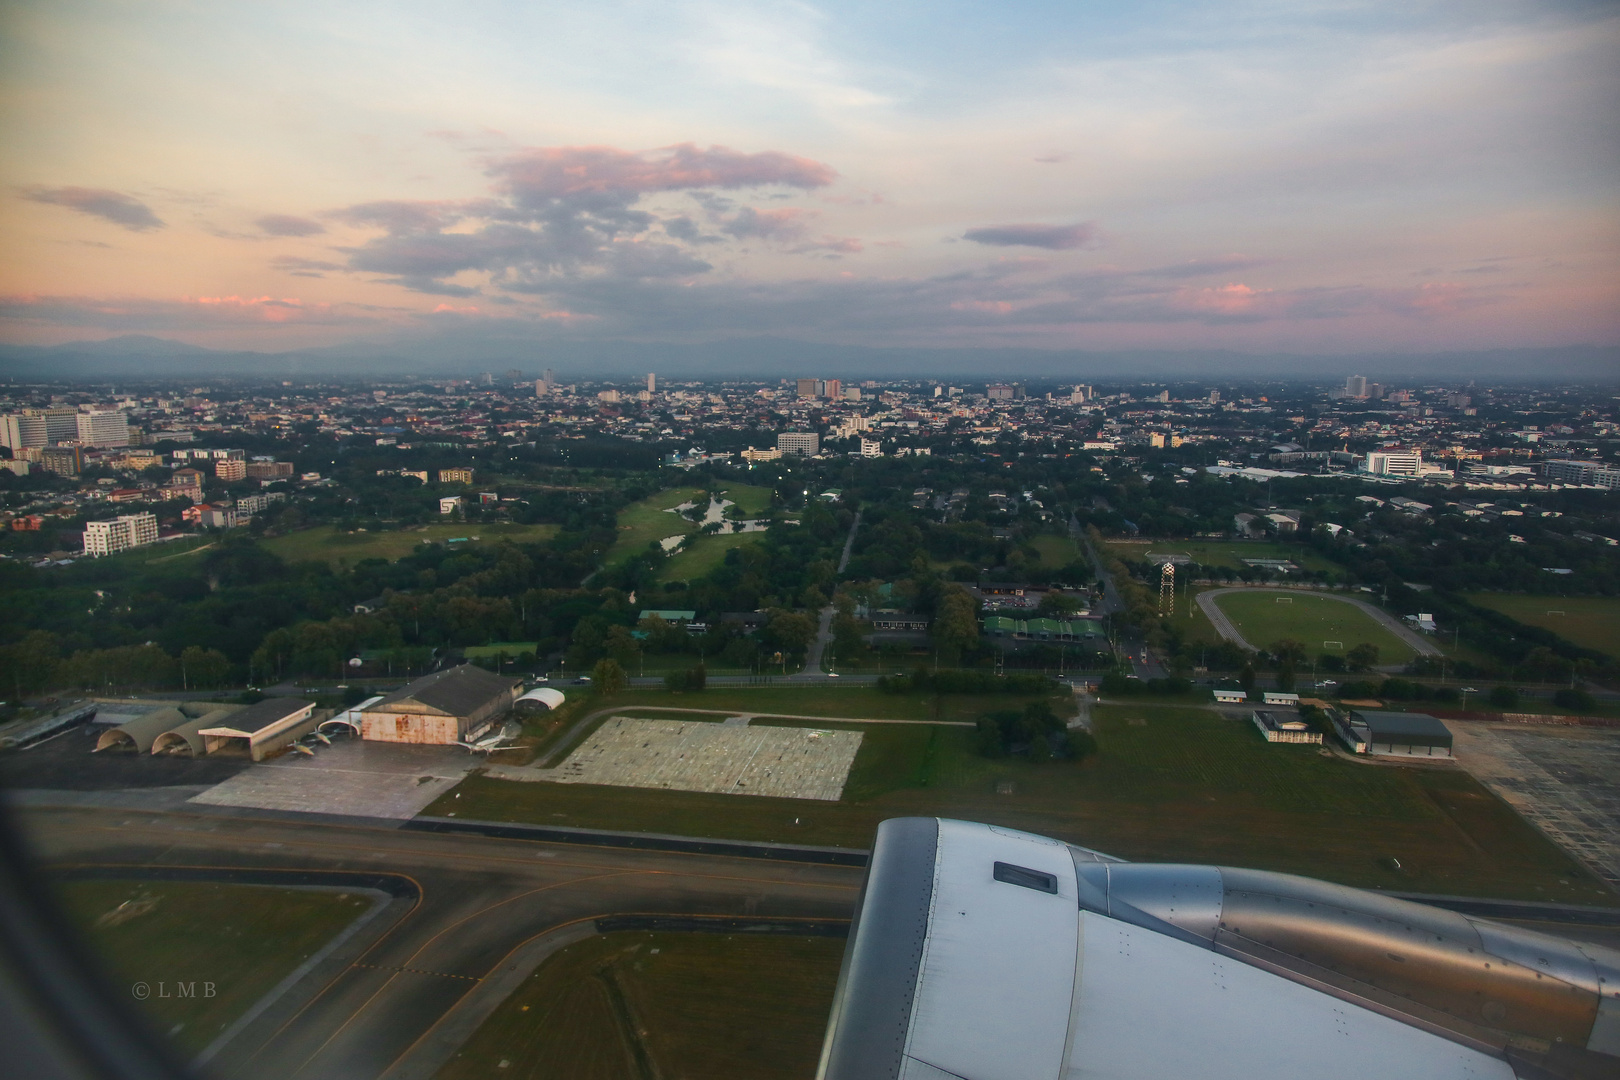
{"points": [[818, 647], [1144, 665], [480, 900], [1224, 626]]}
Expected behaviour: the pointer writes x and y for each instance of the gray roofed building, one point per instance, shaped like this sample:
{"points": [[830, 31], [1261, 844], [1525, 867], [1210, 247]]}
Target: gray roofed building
{"points": [[262, 729], [445, 707], [1403, 734]]}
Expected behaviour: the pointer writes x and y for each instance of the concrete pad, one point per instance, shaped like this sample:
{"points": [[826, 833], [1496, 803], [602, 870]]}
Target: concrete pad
{"points": [[733, 759], [351, 777], [1565, 780]]}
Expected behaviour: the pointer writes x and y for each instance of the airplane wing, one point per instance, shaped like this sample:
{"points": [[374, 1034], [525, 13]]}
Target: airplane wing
{"points": [[984, 953]]}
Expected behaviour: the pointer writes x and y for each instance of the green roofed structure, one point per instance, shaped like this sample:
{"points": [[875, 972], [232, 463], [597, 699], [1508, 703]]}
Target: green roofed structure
{"points": [[1040, 629], [670, 615]]}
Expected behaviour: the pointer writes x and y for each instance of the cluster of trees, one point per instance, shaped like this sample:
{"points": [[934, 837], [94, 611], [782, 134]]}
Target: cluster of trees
{"points": [[1035, 730], [38, 662]]}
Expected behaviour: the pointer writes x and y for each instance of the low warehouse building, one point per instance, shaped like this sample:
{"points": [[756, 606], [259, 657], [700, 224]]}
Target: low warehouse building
{"points": [[262, 730], [1285, 727], [1392, 733], [447, 707], [187, 739], [139, 734]]}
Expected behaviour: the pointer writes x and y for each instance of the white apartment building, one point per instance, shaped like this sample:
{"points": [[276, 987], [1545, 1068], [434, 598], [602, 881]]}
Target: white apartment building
{"points": [[119, 534], [103, 427], [806, 443], [1393, 463], [1582, 472], [871, 448], [751, 455]]}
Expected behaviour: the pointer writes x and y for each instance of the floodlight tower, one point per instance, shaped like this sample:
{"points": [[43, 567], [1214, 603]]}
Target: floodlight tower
{"points": [[1167, 588]]}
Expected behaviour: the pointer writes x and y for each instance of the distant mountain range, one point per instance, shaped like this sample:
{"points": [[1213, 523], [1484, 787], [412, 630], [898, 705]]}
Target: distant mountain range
{"points": [[135, 357]]}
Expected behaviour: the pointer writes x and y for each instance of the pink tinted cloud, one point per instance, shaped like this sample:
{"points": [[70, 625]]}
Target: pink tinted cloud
{"points": [[414, 215], [113, 206], [1051, 237], [289, 225], [559, 172]]}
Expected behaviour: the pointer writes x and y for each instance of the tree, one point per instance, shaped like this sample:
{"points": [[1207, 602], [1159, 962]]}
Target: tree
{"points": [[620, 645], [203, 668], [1505, 697], [1246, 678], [956, 622], [1362, 658], [790, 631], [608, 677], [1057, 605]]}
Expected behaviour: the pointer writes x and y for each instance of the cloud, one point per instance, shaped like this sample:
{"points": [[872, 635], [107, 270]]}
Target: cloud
{"points": [[113, 206], [538, 176], [183, 313], [576, 211], [414, 215], [1222, 264], [1052, 237], [292, 264], [788, 223], [288, 225]]}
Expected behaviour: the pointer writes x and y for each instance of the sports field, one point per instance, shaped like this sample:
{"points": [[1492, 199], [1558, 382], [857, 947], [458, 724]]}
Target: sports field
{"points": [[644, 1004], [703, 555], [1321, 623], [327, 544], [1185, 785], [642, 522], [752, 500], [241, 939], [1225, 553], [1592, 622]]}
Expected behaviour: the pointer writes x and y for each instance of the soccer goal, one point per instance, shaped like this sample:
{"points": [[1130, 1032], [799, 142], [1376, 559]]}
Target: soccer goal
{"points": [[1285, 599], [1555, 612], [1333, 645]]}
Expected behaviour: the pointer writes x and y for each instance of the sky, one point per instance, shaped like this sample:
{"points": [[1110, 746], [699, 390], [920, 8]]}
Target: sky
{"points": [[1257, 175]]}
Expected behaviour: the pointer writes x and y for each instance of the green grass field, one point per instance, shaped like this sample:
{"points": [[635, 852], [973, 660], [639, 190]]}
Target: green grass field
{"points": [[326, 544], [752, 500], [703, 555], [241, 938], [1056, 551], [1592, 622], [1311, 619], [642, 522], [1225, 553], [743, 1006], [1186, 786]]}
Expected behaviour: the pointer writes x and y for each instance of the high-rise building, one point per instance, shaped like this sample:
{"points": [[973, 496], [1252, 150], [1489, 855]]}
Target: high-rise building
{"points": [[62, 460], [652, 383], [807, 388], [1214, 397], [871, 448], [1394, 462], [1356, 386], [230, 469], [852, 393], [119, 534], [804, 443], [998, 392], [101, 427], [41, 427], [832, 390], [540, 388]]}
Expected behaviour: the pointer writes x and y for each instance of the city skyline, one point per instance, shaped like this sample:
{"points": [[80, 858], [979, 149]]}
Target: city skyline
{"points": [[1182, 178]]}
